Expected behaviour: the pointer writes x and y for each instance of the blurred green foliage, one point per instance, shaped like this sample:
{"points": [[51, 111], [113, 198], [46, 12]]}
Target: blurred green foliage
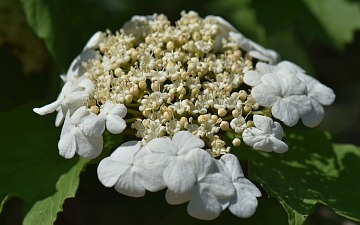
{"points": [[317, 35]]}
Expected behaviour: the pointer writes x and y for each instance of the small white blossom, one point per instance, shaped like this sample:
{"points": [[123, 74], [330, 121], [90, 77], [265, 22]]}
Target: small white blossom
{"points": [[74, 138], [206, 192], [128, 170], [178, 175], [265, 136], [285, 94], [70, 98], [244, 203], [319, 95], [255, 50], [113, 114]]}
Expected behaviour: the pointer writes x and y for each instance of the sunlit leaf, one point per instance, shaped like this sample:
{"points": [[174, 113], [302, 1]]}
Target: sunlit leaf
{"points": [[313, 171]]}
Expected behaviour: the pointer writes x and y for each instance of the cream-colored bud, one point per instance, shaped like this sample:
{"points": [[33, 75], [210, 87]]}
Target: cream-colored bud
{"points": [[92, 102], [235, 113], [196, 36], [236, 142], [166, 37], [206, 38], [134, 90], [181, 90], [157, 52], [228, 88], [214, 118], [94, 109], [155, 86], [183, 121], [242, 95], [118, 72], [142, 85], [224, 125], [148, 40], [249, 123], [222, 112], [201, 119], [134, 55], [103, 48], [191, 67], [167, 115], [170, 46], [247, 108], [146, 113], [255, 106], [185, 75], [195, 91], [128, 98]]}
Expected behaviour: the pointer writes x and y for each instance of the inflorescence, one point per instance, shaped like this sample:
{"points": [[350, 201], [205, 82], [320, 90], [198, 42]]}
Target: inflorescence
{"points": [[182, 89]]}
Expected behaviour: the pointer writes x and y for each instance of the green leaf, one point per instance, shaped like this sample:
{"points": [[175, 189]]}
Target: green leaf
{"points": [[33, 170], [339, 18], [313, 171]]}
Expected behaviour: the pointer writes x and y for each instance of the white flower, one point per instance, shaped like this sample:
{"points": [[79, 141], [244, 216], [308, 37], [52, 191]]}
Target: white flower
{"points": [[76, 70], [70, 98], [243, 204], [238, 124], [255, 50], [206, 192], [73, 139], [113, 114], [285, 94], [178, 175], [265, 136], [129, 170], [319, 95]]}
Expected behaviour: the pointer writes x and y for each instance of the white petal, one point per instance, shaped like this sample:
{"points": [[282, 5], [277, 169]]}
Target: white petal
{"points": [[115, 124], [265, 68], [252, 135], [252, 78], [88, 147], [232, 165], [50, 108], [246, 186], [178, 176], [93, 126], [265, 96], [119, 109], [59, 117], [94, 41], [290, 66], [203, 205], [150, 170], [184, 141], [175, 199], [67, 145], [129, 185], [218, 185], [315, 116], [162, 145], [200, 161], [285, 112], [269, 144], [243, 204], [109, 171]]}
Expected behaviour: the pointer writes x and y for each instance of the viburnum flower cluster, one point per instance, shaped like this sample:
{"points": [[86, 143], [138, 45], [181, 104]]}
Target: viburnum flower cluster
{"points": [[180, 88]]}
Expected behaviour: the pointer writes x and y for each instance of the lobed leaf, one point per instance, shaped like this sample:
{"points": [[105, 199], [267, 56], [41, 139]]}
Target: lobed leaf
{"points": [[314, 170]]}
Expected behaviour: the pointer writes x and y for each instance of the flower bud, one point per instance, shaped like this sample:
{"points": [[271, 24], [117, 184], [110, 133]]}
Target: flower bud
{"points": [[236, 142], [224, 125], [222, 112]]}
